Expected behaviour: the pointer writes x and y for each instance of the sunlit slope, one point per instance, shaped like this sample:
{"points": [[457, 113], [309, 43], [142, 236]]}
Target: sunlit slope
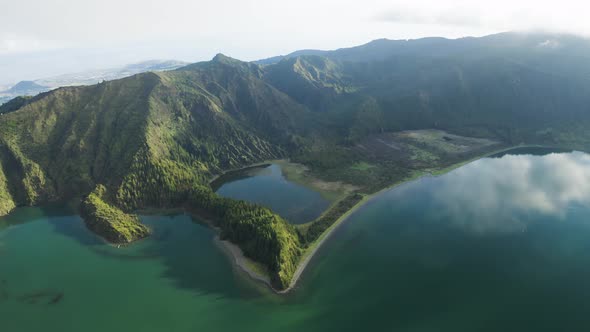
{"points": [[154, 140]]}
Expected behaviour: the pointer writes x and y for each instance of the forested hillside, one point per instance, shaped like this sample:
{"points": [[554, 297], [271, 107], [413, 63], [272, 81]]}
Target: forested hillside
{"points": [[156, 139]]}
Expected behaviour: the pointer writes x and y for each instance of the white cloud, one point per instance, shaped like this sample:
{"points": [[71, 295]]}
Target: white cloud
{"points": [[26, 45], [500, 15], [550, 43], [443, 16], [248, 29], [502, 189], [272, 26]]}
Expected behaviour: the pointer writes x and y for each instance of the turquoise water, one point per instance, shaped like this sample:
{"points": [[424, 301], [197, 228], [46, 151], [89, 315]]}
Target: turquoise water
{"points": [[268, 186], [501, 244]]}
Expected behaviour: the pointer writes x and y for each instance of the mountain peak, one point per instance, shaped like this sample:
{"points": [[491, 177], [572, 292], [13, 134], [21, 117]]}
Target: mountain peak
{"points": [[26, 85], [26, 88], [220, 57]]}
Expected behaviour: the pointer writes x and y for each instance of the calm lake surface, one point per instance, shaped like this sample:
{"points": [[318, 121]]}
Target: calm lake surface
{"points": [[501, 244], [268, 186]]}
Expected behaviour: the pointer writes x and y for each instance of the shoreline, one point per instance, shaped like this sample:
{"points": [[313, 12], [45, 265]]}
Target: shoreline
{"points": [[233, 252], [316, 245], [312, 250], [233, 170], [240, 261]]}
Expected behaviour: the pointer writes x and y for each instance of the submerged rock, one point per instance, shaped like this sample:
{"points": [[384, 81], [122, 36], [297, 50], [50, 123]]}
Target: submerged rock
{"points": [[47, 296]]}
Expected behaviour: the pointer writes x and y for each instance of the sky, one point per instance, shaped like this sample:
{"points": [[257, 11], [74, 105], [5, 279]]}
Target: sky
{"points": [[41, 38]]}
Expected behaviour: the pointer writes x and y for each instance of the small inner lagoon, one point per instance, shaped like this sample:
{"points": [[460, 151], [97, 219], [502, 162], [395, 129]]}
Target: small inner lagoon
{"points": [[500, 244], [266, 185]]}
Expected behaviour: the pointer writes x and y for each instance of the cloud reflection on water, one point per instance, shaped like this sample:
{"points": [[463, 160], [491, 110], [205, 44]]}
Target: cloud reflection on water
{"points": [[501, 194]]}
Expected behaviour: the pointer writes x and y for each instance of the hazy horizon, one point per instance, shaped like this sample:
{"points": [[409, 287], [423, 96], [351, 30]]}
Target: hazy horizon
{"points": [[105, 34]]}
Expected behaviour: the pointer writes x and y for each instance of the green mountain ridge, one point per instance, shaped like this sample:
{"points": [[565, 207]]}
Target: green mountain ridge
{"points": [[156, 139]]}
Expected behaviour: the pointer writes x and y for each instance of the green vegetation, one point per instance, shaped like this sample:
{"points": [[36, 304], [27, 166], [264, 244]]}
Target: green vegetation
{"points": [[234, 175], [358, 120], [362, 166], [257, 268], [310, 232], [14, 104], [298, 173], [261, 234], [111, 223], [6, 201], [23, 180]]}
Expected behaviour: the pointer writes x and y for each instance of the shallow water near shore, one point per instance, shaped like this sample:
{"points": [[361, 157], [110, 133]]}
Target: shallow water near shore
{"points": [[499, 244]]}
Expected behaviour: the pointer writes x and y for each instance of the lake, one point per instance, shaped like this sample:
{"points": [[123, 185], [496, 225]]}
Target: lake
{"points": [[268, 186], [499, 244]]}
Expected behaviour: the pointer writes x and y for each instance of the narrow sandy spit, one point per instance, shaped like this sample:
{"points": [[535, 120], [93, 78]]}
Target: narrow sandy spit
{"points": [[239, 260], [311, 252]]}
